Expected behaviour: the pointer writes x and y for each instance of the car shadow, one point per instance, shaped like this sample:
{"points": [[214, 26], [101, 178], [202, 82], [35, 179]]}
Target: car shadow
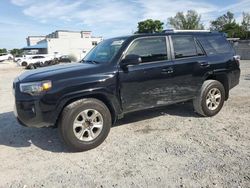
{"points": [[12, 134], [180, 109]]}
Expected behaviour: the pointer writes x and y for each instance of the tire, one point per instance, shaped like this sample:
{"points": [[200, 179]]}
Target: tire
{"points": [[41, 64], [31, 66], [208, 103], [46, 63], [24, 64], [75, 135]]}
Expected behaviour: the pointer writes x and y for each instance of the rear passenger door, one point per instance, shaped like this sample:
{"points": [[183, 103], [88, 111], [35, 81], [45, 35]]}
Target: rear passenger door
{"points": [[190, 65]]}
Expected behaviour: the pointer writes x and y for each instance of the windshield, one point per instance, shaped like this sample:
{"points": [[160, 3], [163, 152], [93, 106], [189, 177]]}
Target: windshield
{"points": [[104, 51]]}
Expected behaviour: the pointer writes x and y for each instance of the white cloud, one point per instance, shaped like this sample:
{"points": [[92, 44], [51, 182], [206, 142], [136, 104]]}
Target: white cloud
{"points": [[107, 13], [239, 7], [104, 17], [163, 9], [51, 10], [116, 17], [21, 29], [22, 2]]}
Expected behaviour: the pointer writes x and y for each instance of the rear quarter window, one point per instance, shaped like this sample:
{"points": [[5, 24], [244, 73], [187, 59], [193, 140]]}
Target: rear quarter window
{"points": [[215, 45], [185, 46]]}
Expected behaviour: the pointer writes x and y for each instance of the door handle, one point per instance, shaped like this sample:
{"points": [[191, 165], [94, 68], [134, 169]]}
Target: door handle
{"points": [[204, 64], [167, 70]]}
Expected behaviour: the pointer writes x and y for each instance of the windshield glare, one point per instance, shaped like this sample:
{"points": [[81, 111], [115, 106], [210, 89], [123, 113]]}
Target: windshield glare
{"points": [[104, 51]]}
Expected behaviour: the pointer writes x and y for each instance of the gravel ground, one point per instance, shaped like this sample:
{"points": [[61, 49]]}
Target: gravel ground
{"points": [[167, 147]]}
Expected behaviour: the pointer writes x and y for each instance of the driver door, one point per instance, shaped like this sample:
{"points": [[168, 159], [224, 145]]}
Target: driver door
{"points": [[149, 83]]}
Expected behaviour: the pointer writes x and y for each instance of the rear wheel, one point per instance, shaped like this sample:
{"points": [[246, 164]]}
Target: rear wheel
{"points": [[85, 124], [31, 66], [210, 98], [46, 63]]}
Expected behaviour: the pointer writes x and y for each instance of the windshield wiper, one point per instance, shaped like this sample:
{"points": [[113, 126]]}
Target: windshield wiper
{"points": [[90, 61]]}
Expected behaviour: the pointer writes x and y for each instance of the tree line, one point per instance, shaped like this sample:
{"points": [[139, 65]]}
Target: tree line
{"points": [[192, 21], [14, 51]]}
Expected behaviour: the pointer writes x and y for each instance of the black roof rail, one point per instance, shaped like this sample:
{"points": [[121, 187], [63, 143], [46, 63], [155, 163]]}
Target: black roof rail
{"points": [[180, 31]]}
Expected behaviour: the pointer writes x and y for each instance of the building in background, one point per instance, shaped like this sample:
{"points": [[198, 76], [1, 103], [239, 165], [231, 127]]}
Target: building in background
{"points": [[33, 40], [72, 43]]}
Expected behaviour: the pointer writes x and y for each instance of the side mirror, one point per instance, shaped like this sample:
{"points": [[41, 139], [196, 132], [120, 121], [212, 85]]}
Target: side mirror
{"points": [[131, 59]]}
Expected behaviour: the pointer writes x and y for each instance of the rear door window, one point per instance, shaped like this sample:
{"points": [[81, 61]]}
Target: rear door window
{"points": [[215, 45], [185, 46]]}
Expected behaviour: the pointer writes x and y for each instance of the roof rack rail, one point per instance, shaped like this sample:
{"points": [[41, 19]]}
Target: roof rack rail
{"points": [[177, 31]]}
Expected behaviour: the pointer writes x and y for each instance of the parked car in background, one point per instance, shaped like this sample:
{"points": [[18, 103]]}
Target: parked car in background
{"points": [[5, 56], [41, 60], [34, 61], [21, 58], [64, 59]]}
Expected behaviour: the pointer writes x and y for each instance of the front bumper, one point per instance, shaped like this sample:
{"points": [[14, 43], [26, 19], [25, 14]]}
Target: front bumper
{"points": [[28, 114]]}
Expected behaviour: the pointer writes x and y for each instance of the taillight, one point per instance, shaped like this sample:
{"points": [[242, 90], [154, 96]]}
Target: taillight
{"points": [[237, 59]]}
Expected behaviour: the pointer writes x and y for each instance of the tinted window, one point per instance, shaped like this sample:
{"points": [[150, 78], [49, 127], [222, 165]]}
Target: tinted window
{"points": [[105, 50], [215, 44], [37, 57], [185, 46], [149, 49]]}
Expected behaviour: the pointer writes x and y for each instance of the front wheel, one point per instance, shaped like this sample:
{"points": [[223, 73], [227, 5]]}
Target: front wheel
{"points": [[85, 124], [210, 99]]}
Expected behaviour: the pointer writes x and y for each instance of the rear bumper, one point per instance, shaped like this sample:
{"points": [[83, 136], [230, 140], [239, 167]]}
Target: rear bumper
{"points": [[29, 114]]}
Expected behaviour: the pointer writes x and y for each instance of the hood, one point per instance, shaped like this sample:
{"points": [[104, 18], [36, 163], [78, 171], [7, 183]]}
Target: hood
{"points": [[50, 72]]}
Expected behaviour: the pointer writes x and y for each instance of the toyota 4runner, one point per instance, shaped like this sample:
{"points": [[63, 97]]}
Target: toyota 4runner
{"points": [[126, 74]]}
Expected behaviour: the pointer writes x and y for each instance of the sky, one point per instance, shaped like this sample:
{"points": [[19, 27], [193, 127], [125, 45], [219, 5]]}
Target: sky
{"points": [[107, 18]]}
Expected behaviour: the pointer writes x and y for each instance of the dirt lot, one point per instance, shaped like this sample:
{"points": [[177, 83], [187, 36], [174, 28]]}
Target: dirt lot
{"points": [[168, 147]]}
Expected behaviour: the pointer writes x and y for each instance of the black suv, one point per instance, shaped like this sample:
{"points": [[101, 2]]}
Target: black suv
{"points": [[126, 74]]}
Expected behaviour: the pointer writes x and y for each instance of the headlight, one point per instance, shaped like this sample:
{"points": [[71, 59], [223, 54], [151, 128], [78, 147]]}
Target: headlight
{"points": [[35, 88]]}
